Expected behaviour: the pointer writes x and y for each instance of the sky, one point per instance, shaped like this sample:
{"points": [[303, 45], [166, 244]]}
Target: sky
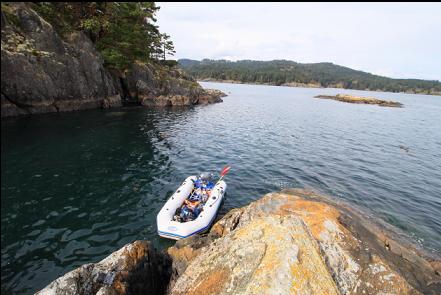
{"points": [[398, 40]]}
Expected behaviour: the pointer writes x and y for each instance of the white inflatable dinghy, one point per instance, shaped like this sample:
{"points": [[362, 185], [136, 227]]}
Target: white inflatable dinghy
{"points": [[192, 208]]}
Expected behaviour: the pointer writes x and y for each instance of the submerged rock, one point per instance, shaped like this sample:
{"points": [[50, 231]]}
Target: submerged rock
{"points": [[292, 242]]}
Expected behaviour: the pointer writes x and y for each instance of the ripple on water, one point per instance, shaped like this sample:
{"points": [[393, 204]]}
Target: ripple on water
{"points": [[74, 191]]}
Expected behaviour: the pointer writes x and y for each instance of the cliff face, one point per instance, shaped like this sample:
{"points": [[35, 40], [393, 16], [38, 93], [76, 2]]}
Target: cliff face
{"points": [[42, 72], [292, 242]]}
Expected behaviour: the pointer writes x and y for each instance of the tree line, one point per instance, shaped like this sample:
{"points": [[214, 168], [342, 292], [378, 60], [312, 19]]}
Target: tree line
{"points": [[285, 72]]}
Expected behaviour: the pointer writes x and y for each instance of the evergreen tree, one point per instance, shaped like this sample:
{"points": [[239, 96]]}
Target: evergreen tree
{"points": [[279, 72], [122, 31], [167, 46]]}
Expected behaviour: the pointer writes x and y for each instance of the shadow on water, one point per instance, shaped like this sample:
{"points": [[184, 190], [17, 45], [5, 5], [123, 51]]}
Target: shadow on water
{"points": [[77, 186]]}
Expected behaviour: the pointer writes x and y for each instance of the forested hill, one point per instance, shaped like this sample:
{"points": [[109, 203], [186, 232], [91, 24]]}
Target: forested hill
{"points": [[290, 73]]}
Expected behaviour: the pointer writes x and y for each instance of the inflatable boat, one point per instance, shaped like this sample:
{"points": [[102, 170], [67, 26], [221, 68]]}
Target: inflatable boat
{"points": [[192, 208]]}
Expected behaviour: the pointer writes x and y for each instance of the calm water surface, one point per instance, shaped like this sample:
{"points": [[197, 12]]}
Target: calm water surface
{"points": [[77, 186]]}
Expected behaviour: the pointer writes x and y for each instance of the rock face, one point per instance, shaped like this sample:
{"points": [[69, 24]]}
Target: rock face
{"points": [[159, 86], [294, 243], [134, 269], [43, 72]]}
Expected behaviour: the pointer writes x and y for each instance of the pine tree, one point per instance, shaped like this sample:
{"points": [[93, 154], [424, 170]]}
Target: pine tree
{"points": [[122, 31], [167, 46]]}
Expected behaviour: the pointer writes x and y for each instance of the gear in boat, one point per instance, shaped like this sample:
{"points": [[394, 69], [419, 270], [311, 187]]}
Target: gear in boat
{"points": [[193, 207], [194, 204]]}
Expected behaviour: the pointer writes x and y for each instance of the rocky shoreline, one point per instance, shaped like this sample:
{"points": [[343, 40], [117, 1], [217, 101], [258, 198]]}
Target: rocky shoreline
{"points": [[289, 242], [44, 72], [361, 100]]}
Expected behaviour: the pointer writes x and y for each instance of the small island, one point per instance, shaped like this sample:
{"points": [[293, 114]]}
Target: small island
{"points": [[361, 100]]}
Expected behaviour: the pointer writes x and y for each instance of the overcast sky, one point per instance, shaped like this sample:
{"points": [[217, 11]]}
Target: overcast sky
{"points": [[399, 40]]}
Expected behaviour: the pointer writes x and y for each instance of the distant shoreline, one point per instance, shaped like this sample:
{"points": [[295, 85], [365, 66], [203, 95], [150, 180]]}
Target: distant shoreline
{"points": [[301, 85]]}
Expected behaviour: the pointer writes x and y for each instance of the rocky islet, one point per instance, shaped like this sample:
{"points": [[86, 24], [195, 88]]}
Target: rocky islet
{"points": [[361, 100]]}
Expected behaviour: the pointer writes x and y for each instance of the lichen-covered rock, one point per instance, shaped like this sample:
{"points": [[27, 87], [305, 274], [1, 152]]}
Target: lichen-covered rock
{"points": [[362, 100], [211, 96], [137, 268], [272, 255], [292, 242], [154, 85], [43, 73], [297, 242]]}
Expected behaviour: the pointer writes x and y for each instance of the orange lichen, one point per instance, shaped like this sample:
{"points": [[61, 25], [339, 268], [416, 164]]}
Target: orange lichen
{"points": [[136, 252], [213, 283], [217, 229], [311, 268], [362, 100], [119, 285], [314, 214], [271, 235], [186, 253], [307, 267], [289, 242]]}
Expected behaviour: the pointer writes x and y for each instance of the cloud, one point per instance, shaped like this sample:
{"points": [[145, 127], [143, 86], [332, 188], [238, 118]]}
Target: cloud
{"points": [[398, 39]]}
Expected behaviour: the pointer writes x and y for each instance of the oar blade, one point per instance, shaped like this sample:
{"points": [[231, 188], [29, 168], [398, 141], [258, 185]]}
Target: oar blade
{"points": [[225, 170]]}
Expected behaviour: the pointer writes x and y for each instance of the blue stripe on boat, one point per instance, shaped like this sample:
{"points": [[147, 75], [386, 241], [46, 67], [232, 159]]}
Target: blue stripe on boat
{"points": [[183, 237]]}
